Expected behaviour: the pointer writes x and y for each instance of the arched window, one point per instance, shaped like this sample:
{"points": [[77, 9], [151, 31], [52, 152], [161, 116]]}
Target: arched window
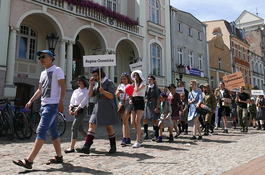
{"points": [[155, 60], [26, 43], [154, 11], [112, 4]]}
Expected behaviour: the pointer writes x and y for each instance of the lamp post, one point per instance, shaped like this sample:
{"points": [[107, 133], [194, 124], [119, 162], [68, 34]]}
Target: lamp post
{"points": [[181, 70], [52, 41]]}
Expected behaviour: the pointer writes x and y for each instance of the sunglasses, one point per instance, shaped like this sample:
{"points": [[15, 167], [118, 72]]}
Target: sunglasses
{"points": [[124, 73], [42, 57]]}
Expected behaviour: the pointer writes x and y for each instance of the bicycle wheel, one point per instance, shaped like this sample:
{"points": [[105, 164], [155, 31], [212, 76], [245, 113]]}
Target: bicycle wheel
{"points": [[30, 131], [21, 125], [3, 126], [35, 118], [60, 123], [9, 126]]}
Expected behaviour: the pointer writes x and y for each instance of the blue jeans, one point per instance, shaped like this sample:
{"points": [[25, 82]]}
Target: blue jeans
{"points": [[48, 122]]}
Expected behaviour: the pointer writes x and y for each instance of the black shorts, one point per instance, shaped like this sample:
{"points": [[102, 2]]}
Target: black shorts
{"points": [[138, 103]]}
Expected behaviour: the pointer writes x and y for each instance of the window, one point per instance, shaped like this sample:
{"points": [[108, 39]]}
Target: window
{"points": [[235, 50], [254, 82], [261, 84], [155, 60], [200, 62], [260, 69], [179, 27], [180, 56], [191, 60], [199, 35], [219, 63], [26, 42], [258, 84], [190, 31], [154, 11], [240, 51], [112, 4], [212, 82]]}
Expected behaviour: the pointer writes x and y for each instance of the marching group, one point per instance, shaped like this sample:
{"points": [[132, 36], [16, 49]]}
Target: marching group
{"points": [[165, 108]]}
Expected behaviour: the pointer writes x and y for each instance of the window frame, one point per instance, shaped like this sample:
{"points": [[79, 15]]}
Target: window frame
{"points": [[105, 2], [29, 37], [190, 33], [179, 27], [191, 59], [220, 65], [182, 62], [158, 58], [157, 11], [199, 35], [200, 61]]}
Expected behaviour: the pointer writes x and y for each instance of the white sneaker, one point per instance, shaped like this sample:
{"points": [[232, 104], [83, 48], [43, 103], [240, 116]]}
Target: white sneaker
{"points": [[142, 138], [136, 145]]}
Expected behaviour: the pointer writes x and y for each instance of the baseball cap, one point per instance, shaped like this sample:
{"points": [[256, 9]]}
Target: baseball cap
{"points": [[46, 51]]}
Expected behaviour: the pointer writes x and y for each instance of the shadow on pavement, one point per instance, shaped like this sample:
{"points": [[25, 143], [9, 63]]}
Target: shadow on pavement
{"points": [[140, 156], [217, 141], [67, 167], [163, 147]]}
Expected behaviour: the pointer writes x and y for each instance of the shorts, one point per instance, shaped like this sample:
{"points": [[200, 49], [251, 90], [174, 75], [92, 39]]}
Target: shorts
{"points": [[126, 105], [48, 122], [138, 103]]}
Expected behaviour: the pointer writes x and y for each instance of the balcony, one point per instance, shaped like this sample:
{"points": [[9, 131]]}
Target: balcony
{"points": [[154, 28], [90, 14]]}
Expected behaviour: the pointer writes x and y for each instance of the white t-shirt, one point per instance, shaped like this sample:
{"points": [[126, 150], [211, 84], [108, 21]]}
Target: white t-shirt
{"points": [[51, 90], [79, 98], [122, 87], [140, 93]]}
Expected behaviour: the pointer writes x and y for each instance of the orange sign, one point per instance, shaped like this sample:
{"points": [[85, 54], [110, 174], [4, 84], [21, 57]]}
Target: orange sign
{"points": [[234, 80]]}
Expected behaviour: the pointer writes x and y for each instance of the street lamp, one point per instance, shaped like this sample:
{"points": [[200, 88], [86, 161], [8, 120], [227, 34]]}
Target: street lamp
{"points": [[52, 41], [181, 70]]}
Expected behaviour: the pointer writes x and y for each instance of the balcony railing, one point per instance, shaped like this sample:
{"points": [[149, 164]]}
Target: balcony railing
{"points": [[91, 14]]}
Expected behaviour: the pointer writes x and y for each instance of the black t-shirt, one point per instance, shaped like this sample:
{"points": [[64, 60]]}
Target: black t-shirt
{"points": [[243, 97]]}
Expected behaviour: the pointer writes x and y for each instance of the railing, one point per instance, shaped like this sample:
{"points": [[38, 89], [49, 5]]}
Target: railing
{"points": [[155, 28], [90, 13]]}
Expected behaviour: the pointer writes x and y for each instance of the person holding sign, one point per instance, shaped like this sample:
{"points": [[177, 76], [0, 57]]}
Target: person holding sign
{"points": [[137, 105], [124, 100], [224, 111], [194, 100], [104, 112], [242, 100]]}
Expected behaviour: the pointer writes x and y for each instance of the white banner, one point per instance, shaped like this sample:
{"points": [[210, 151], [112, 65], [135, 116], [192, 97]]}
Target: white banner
{"points": [[180, 90], [257, 92], [137, 66], [99, 60]]}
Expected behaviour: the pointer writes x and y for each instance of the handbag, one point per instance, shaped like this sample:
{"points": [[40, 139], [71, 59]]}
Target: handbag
{"points": [[202, 109], [121, 107], [260, 114], [227, 102]]}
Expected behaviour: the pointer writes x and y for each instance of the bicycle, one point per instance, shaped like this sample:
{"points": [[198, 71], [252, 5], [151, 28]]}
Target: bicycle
{"points": [[19, 119], [6, 126]]}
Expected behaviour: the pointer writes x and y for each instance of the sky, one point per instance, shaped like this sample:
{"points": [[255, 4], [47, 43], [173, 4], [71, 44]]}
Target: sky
{"points": [[208, 10]]}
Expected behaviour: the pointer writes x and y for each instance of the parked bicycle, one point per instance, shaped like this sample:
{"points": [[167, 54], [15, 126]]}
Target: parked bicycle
{"points": [[6, 125], [18, 118]]}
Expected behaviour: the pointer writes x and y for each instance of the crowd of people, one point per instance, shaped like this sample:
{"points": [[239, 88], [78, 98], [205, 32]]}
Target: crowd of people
{"points": [[165, 108]]}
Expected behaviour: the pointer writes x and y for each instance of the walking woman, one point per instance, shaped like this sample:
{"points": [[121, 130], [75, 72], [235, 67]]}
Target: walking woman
{"points": [[233, 108], [194, 100], [104, 112], [137, 105], [151, 111], [124, 100], [223, 111], [261, 111], [176, 105], [78, 108]]}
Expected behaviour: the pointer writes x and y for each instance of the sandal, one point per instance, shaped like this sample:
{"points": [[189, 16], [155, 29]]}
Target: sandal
{"points": [[55, 160], [27, 164], [69, 151]]}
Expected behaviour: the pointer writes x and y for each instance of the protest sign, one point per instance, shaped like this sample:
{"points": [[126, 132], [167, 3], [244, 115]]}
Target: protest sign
{"points": [[257, 92], [99, 60], [136, 66], [180, 90], [234, 80]]}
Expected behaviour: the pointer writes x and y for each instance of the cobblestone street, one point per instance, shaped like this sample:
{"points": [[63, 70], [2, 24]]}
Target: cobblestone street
{"points": [[215, 154]]}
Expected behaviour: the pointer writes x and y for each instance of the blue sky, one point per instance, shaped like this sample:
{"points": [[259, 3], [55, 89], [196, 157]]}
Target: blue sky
{"points": [[208, 10]]}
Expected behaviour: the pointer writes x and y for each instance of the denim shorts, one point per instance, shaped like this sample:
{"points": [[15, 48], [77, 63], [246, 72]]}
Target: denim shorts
{"points": [[48, 122]]}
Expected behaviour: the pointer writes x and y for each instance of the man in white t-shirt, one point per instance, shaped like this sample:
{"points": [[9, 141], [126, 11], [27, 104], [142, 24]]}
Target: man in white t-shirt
{"points": [[52, 91]]}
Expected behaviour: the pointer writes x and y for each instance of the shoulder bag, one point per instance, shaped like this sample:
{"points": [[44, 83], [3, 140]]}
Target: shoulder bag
{"points": [[121, 107], [202, 109]]}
